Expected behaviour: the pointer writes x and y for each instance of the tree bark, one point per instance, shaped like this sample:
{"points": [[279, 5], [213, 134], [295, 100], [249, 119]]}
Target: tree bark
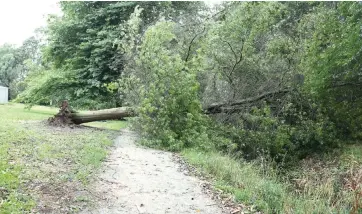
{"points": [[106, 114]]}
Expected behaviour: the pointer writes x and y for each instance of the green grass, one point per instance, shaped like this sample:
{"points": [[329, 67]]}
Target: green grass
{"points": [[60, 160], [352, 153], [14, 111], [264, 189]]}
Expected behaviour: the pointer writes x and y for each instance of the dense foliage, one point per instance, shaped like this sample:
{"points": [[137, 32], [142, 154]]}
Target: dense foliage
{"points": [[235, 56], [172, 104], [82, 56], [332, 62]]}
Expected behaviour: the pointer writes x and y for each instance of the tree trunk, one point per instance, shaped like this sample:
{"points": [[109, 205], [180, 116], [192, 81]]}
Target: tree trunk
{"points": [[107, 114], [67, 116]]}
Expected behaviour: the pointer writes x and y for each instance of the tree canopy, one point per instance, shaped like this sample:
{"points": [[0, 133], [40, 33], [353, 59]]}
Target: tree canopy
{"points": [[82, 49]]}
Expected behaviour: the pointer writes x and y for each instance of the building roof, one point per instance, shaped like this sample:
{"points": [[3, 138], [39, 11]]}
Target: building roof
{"points": [[3, 87]]}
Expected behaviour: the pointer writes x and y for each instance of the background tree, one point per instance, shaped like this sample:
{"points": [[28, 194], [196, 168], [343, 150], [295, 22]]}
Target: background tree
{"points": [[82, 47], [10, 66]]}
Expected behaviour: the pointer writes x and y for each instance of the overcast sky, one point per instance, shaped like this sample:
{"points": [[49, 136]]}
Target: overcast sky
{"points": [[19, 18]]}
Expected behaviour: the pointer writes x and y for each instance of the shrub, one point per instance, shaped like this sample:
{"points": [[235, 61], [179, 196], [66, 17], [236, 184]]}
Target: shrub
{"points": [[260, 133]]}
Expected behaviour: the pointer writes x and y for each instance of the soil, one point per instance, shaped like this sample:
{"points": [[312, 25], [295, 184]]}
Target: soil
{"points": [[142, 180]]}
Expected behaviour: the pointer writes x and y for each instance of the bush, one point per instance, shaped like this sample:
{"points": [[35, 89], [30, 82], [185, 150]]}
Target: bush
{"points": [[260, 133]]}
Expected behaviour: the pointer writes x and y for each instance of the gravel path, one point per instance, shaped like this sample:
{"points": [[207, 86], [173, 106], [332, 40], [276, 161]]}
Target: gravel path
{"points": [[142, 180]]}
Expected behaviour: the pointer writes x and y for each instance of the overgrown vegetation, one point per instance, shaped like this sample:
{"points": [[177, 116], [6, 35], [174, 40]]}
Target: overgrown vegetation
{"points": [[252, 80], [315, 187]]}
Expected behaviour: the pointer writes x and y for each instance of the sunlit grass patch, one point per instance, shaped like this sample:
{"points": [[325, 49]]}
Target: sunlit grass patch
{"points": [[15, 111]]}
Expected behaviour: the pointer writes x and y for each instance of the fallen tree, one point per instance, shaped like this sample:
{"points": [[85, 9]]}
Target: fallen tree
{"points": [[67, 115]]}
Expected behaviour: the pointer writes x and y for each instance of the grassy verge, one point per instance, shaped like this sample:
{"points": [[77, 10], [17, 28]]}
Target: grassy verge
{"points": [[251, 185], [46, 169]]}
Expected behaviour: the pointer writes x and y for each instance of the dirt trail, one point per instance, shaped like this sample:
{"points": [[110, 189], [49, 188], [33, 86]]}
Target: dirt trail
{"points": [[142, 180]]}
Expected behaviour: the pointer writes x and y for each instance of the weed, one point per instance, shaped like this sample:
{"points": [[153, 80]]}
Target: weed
{"points": [[353, 182]]}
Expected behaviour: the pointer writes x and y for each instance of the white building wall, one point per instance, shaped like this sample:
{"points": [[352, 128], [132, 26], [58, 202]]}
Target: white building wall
{"points": [[3, 95]]}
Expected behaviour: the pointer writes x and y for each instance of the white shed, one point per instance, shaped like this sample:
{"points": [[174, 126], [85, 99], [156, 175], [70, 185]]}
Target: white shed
{"points": [[3, 94]]}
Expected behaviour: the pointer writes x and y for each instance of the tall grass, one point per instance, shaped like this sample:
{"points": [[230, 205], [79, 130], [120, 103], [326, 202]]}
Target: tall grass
{"points": [[251, 185]]}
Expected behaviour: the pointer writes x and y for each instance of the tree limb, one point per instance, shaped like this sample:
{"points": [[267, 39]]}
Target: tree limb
{"points": [[190, 45], [232, 50], [237, 59], [221, 107]]}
